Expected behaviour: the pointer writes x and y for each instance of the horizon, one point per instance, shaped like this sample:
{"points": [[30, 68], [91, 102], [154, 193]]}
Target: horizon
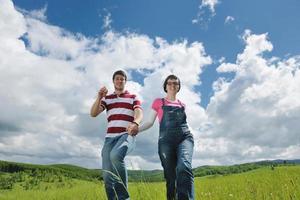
{"points": [[287, 160]]}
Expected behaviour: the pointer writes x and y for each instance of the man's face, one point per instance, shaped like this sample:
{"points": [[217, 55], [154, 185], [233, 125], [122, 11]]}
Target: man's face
{"points": [[119, 82]]}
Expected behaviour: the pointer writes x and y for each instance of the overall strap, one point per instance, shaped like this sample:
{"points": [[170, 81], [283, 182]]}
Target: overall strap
{"points": [[163, 101], [181, 104]]}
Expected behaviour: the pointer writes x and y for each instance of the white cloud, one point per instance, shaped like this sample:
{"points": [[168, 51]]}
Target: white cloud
{"points": [[54, 42], [256, 111], [12, 22], [211, 4], [107, 21], [222, 59], [229, 19], [48, 86], [194, 21], [205, 13], [39, 14], [53, 81]]}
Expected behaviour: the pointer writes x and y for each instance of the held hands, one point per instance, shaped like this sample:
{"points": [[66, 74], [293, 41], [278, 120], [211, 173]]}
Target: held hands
{"points": [[102, 92], [132, 129]]}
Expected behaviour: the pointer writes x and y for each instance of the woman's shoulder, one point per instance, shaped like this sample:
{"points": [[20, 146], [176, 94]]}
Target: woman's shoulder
{"points": [[181, 103], [157, 102]]}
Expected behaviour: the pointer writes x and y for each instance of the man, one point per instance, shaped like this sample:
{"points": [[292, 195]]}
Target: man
{"points": [[124, 114]]}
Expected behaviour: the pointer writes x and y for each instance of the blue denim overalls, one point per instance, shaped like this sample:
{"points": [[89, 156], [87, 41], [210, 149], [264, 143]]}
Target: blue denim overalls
{"points": [[175, 148]]}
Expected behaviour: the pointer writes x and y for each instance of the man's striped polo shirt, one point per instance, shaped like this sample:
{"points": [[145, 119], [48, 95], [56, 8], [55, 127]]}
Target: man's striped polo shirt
{"points": [[120, 112]]}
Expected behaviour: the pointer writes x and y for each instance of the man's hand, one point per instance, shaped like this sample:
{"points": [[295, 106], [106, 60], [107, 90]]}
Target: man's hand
{"points": [[102, 92], [132, 129]]}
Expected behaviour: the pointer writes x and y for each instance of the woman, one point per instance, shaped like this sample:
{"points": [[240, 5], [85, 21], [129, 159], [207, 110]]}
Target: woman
{"points": [[176, 143]]}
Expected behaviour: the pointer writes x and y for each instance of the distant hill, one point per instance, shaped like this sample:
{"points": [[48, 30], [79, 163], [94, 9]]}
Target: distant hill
{"points": [[296, 161], [57, 169], [239, 168], [72, 171]]}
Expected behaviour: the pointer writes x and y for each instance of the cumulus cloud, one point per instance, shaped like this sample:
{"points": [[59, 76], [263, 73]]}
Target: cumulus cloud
{"points": [[255, 113], [50, 77], [39, 14]]}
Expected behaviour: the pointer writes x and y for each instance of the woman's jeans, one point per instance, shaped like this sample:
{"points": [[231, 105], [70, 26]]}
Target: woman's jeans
{"points": [[176, 160], [114, 170]]}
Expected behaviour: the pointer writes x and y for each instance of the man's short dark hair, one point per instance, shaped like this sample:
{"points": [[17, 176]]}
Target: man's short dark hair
{"points": [[120, 72], [172, 77]]}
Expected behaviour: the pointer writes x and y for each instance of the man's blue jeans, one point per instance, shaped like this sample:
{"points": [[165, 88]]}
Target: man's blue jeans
{"points": [[114, 170]]}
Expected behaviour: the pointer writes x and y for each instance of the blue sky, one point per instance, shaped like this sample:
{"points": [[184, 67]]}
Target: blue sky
{"points": [[239, 63], [172, 20]]}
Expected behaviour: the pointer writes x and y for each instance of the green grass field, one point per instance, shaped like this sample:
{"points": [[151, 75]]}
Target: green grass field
{"points": [[264, 183]]}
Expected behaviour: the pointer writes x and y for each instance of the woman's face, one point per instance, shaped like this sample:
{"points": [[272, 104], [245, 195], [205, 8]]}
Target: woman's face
{"points": [[172, 86]]}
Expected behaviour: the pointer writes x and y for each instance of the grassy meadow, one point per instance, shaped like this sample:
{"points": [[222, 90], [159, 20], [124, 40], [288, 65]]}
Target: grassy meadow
{"points": [[282, 183]]}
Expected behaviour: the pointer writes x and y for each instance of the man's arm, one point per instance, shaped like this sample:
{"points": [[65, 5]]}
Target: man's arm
{"points": [[138, 115], [97, 107], [137, 118]]}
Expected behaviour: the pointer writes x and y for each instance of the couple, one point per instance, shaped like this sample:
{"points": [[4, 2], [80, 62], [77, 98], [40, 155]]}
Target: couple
{"points": [[175, 144]]}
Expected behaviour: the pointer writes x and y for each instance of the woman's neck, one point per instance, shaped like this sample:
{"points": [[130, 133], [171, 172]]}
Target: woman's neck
{"points": [[171, 97]]}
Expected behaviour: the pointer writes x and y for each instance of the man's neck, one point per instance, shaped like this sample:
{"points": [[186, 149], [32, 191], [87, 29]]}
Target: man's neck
{"points": [[118, 92]]}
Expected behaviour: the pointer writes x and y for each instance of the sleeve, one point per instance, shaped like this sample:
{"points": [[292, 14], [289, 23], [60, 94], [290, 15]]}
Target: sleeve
{"points": [[136, 103], [156, 104]]}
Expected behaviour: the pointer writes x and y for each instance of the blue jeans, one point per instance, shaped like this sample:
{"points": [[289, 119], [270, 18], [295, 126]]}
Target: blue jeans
{"points": [[177, 163], [114, 170]]}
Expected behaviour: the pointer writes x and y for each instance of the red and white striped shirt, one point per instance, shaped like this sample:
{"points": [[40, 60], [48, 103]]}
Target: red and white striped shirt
{"points": [[120, 112]]}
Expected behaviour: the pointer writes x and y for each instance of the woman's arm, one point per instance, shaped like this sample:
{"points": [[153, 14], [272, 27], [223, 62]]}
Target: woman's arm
{"points": [[149, 122]]}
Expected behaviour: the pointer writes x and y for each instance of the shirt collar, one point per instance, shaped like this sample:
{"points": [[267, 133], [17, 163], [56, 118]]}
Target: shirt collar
{"points": [[125, 92]]}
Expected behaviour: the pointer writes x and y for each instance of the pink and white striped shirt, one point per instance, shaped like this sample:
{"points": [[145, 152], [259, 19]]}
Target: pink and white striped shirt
{"points": [[157, 106], [120, 112]]}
